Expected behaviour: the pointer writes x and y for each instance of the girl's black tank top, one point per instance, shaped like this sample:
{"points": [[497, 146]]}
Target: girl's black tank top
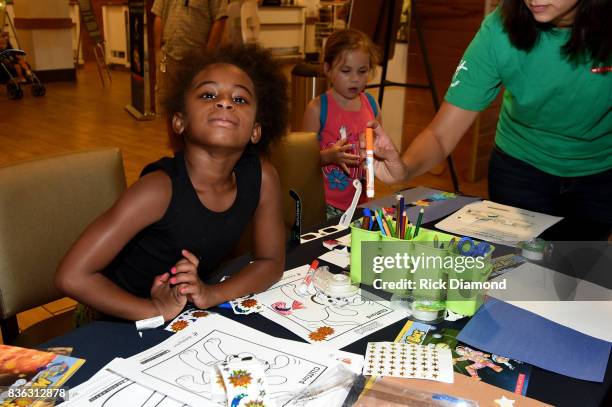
{"points": [[187, 224]]}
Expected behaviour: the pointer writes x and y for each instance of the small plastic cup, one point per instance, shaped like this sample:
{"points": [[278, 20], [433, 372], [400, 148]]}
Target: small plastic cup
{"points": [[427, 310]]}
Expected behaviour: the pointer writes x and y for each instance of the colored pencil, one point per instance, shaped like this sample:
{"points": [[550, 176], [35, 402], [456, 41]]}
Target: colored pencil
{"points": [[380, 223], [418, 224]]}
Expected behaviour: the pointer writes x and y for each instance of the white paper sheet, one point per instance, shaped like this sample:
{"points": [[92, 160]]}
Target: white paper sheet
{"points": [[345, 240], [354, 363], [181, 366], [497, 223], [571, 302], [340, 258], [320, 322], [108, 389]]}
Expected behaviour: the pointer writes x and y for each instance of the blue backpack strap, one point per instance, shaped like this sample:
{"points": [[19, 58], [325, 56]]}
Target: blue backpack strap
{"points": [[372, 103], [322, 114]]}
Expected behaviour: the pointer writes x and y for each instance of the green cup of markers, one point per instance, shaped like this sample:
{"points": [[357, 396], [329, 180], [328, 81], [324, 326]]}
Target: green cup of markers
{"points": [[430, 277], [430, 264], [396, 278], [358, 236]]}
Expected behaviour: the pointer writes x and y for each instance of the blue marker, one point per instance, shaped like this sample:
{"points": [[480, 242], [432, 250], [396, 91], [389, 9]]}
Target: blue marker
{"points": [[380, 224], [368, 213]]}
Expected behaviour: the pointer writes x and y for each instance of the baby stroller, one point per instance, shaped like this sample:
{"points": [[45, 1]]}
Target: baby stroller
{"points": [[7, 76]]}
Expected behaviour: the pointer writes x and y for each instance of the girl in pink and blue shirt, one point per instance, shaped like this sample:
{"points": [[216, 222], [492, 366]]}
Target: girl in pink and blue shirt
{"points": [[341, 115]]}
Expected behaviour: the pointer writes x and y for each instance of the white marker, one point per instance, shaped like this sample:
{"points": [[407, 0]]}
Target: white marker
{"points": [[369, 162], [342, 133]]}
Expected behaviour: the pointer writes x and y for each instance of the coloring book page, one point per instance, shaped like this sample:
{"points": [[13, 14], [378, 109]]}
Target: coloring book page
{"points": [[183, 366], [320, 322], [497, 223], [108, 389]]}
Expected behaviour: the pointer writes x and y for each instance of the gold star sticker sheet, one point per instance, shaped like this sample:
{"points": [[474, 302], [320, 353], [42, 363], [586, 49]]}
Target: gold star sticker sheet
{"points": [[408, 360]]}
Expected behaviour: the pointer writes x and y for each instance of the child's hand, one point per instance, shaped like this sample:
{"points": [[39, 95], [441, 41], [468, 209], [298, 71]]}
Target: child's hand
{"points": [[337, 154], [168, 301], [185, 276]]}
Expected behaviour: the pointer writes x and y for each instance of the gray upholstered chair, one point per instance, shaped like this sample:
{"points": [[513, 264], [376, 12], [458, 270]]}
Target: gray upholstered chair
{"points": [[45, 204], [297, 161]]}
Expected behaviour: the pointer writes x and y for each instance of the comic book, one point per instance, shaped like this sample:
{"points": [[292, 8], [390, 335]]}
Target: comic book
{"points": [[30, 377], [413, 332], [509, 374]]}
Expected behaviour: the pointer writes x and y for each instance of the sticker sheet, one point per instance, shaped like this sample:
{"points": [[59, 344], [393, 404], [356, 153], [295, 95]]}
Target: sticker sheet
{"points": [[246, 305], [245, 382], [185, 319], [408, 360]]}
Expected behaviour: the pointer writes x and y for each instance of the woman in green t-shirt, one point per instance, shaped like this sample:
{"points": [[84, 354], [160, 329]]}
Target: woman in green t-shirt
{"points": [[553, 144]]}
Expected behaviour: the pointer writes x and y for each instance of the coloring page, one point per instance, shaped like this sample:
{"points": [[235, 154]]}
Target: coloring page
{"points": [[108, 389], [497, 223], [183, 366], [318, 320]]}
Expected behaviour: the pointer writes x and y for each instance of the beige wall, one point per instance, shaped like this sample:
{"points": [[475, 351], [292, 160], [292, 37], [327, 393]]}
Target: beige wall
{"points": [[393, 107], [47, 48]]}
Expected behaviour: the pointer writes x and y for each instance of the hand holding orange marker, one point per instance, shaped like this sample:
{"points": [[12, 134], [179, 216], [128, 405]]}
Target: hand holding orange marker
{"points": [[369, 162]]}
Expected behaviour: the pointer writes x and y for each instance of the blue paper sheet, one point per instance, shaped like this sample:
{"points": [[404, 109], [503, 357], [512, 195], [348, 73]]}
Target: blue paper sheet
{"points": [[504, 329], [438, 204]]}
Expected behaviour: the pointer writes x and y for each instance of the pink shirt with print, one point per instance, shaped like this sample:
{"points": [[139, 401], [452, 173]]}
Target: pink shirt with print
{"points": [[339, 189]]}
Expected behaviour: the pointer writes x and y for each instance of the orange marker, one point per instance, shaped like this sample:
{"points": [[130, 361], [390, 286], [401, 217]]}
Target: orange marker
{"points": [[307, 282], [369, 162]]}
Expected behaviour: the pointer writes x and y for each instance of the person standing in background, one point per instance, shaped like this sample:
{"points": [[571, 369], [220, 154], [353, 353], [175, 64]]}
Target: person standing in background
{"points": [[182, 27], [341, 115], [553, 144]]}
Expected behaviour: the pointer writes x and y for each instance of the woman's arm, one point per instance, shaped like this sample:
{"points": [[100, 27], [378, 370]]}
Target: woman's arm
{"points": [[268, 253], [388, 165], [387, 161], [79, 274], [430, 147], [438, 139]]}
